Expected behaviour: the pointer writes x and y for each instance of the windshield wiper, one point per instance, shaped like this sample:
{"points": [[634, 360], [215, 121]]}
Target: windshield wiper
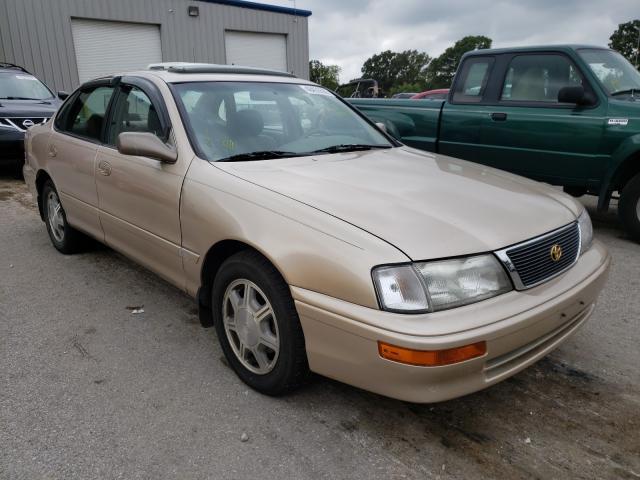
{"points": [[349, 147], [261, 155], [629, 91], [19, 98]]}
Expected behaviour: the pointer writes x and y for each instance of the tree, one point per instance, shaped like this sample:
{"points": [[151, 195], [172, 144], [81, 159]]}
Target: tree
{"points": [[325, 75], [626, 40], [406, 87], [395, 68], [442, 69]]}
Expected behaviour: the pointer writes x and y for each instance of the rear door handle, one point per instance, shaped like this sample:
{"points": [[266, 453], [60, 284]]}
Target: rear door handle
{"points": [[498, 117]]}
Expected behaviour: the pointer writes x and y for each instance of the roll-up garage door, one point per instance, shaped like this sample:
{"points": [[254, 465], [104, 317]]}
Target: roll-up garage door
{"points": [[104, 47], [253, 49]]}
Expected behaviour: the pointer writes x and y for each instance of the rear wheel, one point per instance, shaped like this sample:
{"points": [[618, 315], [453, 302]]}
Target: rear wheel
{"points": [[63, 236], [629, 207], [258, 326]]}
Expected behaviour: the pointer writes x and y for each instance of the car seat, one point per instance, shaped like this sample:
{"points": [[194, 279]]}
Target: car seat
{"points": [[245, 127], [153, 123], [530, 86]]}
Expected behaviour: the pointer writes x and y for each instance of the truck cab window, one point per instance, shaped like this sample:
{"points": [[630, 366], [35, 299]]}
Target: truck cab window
{"points": [[473, 80], [538, 78]]}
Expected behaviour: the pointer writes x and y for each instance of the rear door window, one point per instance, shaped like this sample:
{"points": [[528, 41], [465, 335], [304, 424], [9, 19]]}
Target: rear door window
{"points": [[85, 117], [472, 82]]}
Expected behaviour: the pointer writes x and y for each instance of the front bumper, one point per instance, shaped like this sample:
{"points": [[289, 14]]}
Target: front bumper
{"points": [[11, 146], [519, 328]]}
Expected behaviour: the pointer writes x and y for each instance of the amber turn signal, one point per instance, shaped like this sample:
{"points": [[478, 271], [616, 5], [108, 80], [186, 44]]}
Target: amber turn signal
{"points": [[431, 358]]}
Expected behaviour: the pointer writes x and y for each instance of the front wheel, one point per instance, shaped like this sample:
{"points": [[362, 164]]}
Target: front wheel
{"points": [[258, 326], [64, 237], [629, 207]]}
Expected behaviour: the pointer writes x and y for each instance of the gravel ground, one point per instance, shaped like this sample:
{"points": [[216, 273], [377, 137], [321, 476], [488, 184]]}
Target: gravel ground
{"points": [[88, 390]]}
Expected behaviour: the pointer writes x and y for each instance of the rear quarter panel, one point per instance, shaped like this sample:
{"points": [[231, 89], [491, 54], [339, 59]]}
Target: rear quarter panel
{"points": [[36, 142]]}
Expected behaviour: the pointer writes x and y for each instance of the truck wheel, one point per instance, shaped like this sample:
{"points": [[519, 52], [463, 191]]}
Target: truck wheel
{"points": [[64, 237], [258, 326], [629, 207]]}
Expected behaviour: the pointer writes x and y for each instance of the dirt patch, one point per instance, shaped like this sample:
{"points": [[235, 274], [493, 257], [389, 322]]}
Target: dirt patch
{"points": [[550, 421], [16, 191]]}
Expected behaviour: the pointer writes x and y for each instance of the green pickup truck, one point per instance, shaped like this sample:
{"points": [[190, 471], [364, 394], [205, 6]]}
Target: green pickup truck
{"points": [[567, 115]]}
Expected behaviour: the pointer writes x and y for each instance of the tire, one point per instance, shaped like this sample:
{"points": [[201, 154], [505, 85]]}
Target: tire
{"points": [[63, 236], [629, 207], [249, 282]]}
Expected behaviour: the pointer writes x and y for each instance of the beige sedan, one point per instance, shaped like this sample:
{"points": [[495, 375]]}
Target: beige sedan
{"points": [[312, 240]]}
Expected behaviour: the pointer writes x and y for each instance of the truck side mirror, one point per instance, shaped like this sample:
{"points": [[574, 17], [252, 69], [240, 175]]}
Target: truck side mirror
{"points": [[62, 95], [575, 94]]}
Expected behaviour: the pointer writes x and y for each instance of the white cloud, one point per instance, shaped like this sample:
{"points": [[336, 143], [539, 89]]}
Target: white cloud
{"points": [[347, 32]]}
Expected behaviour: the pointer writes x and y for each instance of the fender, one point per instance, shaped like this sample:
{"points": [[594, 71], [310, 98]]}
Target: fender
{"points": [[623, 154]]}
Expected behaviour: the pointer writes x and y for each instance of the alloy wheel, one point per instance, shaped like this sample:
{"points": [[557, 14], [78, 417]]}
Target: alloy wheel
{"points": [[55, 216], [251, 327]]}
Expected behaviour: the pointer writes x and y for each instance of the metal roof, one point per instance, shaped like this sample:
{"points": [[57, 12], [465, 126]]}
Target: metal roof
{"points": [[262, 6]]}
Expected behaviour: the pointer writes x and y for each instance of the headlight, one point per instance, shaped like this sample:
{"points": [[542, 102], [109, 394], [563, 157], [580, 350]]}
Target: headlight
{"points": [[586, 231], [439, 285], [400, 289]]}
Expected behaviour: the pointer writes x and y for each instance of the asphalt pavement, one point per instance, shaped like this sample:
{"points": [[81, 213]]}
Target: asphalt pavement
{"points": [[89, 389]]}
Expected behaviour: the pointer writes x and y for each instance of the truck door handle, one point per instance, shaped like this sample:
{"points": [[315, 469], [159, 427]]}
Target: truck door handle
{"points": [[498, 117]]}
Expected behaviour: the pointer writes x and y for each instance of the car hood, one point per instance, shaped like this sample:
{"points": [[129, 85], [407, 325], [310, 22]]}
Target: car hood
{"points": [[28, 108], [428, 206]]}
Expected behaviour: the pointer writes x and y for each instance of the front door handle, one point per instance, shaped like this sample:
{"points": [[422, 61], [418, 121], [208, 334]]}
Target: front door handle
{"points": [[498, 117], [104, 168]]}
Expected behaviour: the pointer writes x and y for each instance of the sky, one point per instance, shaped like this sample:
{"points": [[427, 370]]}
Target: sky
{"points": [[347, 32]]}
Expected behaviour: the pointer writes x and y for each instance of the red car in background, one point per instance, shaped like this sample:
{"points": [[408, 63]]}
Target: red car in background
{"points": [[439, 94]]}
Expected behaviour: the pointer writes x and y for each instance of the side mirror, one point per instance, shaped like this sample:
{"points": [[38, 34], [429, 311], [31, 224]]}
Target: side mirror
{"points": [[63, 95], [575, 95], [381, 126], [146, 145]]}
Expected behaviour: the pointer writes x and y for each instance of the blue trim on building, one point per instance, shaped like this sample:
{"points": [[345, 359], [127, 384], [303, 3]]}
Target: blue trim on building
{"points": [[262, 6]]}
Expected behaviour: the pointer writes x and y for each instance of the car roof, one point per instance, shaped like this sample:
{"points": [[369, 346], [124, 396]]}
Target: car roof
{"points": [[169, 76], [181, 72], [5, 66], [532, 48]]}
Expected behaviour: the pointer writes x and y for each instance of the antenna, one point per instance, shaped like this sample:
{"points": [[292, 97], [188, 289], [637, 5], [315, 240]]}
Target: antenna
{"points": [[295, 13]]}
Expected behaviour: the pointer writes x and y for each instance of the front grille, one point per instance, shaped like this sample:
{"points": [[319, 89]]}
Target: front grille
{"points": [[18, 123], [531, 263]]}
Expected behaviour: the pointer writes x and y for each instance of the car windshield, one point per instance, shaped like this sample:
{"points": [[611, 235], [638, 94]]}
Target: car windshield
{"points": [[614, 71], [22, 86], [256, 120]]}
